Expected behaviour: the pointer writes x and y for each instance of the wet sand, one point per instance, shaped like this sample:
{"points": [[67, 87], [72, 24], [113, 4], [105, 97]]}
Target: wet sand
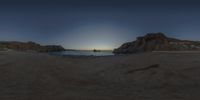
{"points": [[144, 76]]}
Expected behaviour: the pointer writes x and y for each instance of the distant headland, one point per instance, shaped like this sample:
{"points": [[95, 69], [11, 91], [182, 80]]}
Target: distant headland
{"points": [[29, 46], [157, 42]]}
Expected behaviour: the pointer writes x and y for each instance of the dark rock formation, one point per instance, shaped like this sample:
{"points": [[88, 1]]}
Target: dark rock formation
{"points": [[52, 48], [30, 46], [96, 50], [157, 42]]}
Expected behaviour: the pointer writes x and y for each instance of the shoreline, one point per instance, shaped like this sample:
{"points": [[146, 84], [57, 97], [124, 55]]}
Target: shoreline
{"points": [[176, 51]]}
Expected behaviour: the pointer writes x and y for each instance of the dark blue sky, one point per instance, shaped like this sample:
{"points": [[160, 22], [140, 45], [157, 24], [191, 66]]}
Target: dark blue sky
{"points": [[101, 24]]}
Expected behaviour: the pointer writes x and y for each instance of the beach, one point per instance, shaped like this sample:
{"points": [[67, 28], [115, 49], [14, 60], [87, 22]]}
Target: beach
{"points": [[142, 76]]}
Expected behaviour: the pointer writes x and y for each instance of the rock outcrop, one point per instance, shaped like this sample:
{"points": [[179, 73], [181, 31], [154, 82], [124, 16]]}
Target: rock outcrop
{"points": [[30, 46], [157, 42], [52, 48]]}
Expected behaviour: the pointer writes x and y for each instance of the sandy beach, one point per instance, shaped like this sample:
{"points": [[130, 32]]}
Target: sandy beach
{"points": [[143, 76]]}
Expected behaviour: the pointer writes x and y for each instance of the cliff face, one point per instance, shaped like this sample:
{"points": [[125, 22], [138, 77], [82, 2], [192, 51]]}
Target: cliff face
{"points": [[30, 46], [156, 42]]}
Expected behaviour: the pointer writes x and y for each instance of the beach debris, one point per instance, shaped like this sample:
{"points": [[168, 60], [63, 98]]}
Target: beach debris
{"points": [[143, 69]]}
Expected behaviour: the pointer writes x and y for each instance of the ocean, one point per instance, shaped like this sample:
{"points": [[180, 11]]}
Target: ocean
{"points": [[82, 53]]}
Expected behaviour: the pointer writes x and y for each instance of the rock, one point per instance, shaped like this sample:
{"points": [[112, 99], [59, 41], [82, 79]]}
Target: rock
{"points": [[156, 42], [30, 46], [96, 50], [53, 48]]}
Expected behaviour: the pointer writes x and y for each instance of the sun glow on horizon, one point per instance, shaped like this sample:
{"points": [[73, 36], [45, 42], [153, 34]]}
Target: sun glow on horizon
{"points": [[100, 36]]}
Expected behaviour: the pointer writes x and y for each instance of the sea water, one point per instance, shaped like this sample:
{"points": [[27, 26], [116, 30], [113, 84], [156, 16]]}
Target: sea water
{"points": [[83, 53]]}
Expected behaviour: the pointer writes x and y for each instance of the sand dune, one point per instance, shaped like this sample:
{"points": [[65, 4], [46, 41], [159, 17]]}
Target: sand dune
{"points": [[144, 76]]}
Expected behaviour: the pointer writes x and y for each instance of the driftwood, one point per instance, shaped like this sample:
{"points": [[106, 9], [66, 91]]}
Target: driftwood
{"points": [[142, 69]]}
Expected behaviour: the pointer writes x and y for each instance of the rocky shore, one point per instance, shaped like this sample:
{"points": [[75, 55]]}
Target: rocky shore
{"points": [[30, 46], [157, 42]]}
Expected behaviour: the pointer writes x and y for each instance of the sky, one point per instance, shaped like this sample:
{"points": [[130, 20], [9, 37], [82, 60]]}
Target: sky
{"points": [[100, 24]]}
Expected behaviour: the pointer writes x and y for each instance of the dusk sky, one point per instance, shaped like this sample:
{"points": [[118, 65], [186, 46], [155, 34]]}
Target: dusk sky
{"points": [[100, 24]]}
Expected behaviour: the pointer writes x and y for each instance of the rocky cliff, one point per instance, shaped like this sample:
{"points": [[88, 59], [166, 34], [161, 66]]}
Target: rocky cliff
{"points": [[157, 42], [30, 46]]}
